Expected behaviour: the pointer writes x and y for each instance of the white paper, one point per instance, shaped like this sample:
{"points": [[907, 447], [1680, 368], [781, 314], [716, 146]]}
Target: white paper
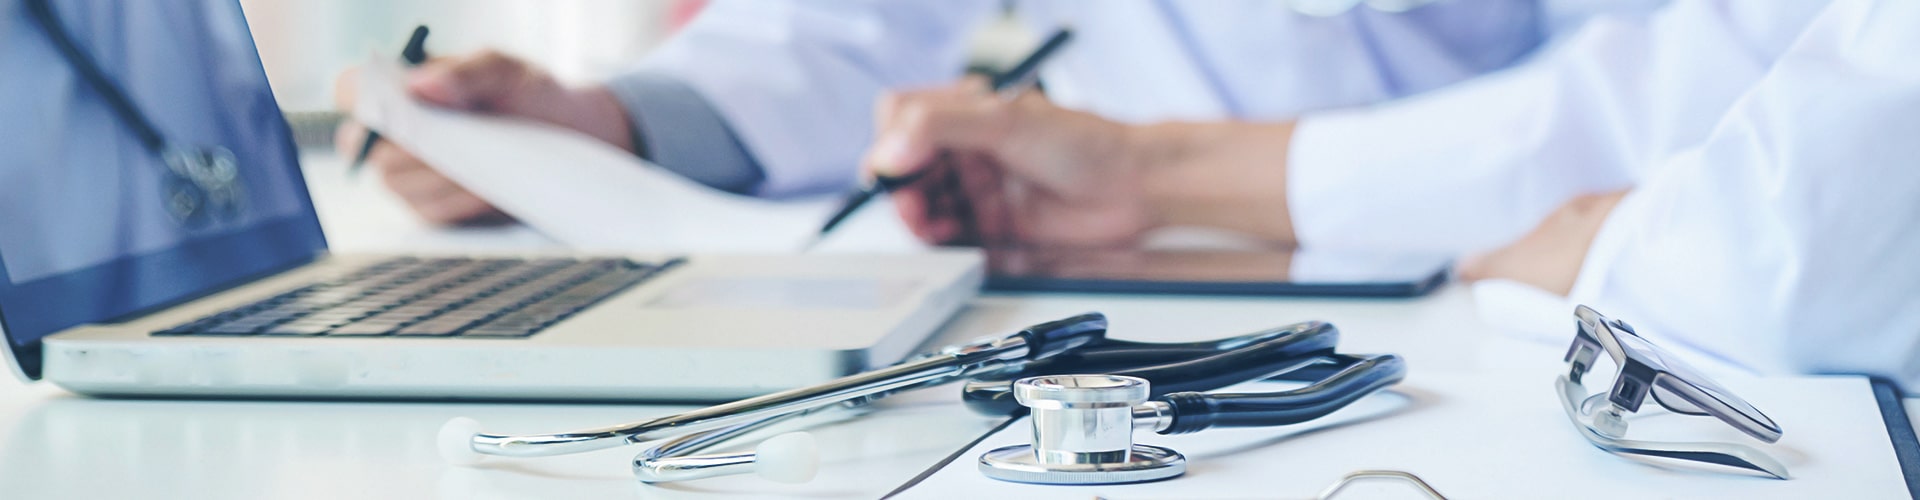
{"points": [[1481, 436], [578, 190]]}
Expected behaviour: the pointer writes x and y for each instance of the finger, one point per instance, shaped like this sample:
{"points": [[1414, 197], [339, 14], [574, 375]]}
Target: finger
{"points": [[889, 104], [986, 192], [347, 138], [975, 84], [476, 82], [422, 184], [921, 126], [346, 89], [405, 175], [391, 159], [924, 206], [943, 219], [455, 209], [911, 205]]}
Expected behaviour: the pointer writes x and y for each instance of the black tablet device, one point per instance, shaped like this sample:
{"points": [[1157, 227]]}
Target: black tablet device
{"points": [[1213, 272]]}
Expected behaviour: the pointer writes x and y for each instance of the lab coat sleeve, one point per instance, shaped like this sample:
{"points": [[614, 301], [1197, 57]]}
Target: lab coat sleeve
{"points": [[793, 83], [1789, 239], [1475, 165], [679, 130]]}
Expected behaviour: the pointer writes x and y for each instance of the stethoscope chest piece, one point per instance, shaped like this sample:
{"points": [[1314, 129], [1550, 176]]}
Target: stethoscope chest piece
{"points": [[1019, 463], [1082, 434]]}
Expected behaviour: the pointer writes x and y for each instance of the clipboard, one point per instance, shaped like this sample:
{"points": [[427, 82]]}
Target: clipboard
{"points": [[1258, 272], [1906, 445], [1538, 456]]}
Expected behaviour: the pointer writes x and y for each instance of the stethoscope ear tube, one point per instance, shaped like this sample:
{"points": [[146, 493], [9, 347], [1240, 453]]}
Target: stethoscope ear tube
{"points": [[1048, 339], [1171, 367], [1196, 411]]}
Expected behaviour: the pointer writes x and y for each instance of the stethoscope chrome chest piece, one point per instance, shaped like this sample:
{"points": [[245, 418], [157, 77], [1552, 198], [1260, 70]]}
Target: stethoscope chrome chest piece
{"points": [[200, 184], [1082, 434], [203, 185]]}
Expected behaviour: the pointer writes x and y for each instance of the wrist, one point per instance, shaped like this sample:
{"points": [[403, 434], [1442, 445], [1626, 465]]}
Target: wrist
{"points": [[1223, 175], [597, 112], [1146, 152]]}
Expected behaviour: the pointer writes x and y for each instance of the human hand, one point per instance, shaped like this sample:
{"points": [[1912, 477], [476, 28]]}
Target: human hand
{"points": [[1549, 257], [485, 82], [993, 171]]}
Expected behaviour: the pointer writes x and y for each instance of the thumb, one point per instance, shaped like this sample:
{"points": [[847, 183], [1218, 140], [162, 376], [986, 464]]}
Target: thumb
{"points": [[896, 155], [346, 88], [925, 126]]}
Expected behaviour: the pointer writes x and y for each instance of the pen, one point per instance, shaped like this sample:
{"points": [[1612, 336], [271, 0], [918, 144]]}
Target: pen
{"points": [[1007, 84], [413, 55]]}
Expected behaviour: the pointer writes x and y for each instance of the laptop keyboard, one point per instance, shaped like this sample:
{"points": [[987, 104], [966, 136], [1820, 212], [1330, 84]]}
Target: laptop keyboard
{"points": [[454, 297]]}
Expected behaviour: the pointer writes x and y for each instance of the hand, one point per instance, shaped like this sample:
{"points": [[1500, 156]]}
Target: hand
{"points": [[1549, 257], [486, 82], [989, 171]]}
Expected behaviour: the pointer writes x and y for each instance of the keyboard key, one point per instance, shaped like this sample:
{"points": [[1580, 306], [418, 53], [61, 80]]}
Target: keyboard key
{"points": [[498, 332], [364, 329], [436, 327], [433, 297], [297, 328], [233, 329]]}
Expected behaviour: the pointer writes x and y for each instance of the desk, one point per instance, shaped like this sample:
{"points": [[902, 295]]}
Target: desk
{"points": [[57, 445]]}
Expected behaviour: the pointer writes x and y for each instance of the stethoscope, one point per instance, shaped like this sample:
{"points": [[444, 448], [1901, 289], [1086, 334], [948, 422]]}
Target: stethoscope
{"points": [[1029, 370], [200, 184]]}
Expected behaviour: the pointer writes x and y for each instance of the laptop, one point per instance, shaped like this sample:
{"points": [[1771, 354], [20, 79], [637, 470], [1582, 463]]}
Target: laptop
{"points": [[107, 289]]}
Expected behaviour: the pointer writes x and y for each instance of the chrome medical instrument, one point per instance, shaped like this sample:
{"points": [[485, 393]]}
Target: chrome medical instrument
{"points": [[1333, 490], [990, 366], [1392, 475], [1083, 424], [461, 443], [199, 184], [1643, 370]]}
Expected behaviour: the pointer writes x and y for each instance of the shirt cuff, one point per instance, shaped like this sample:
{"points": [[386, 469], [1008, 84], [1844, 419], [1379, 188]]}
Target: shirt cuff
{"points": [[677, 128]]}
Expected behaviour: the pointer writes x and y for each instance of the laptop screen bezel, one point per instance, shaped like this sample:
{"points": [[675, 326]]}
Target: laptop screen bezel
{"points": [[279, 244]]}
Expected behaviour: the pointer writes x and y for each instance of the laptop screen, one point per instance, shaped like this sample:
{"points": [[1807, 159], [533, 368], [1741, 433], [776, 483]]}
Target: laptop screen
{"points": [[94, 224]]}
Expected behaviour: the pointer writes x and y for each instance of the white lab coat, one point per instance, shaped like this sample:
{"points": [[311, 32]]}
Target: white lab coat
{"points": [[1775, 206], [1474, 166], [1788, 238], [796, 80], [1771, 154]]}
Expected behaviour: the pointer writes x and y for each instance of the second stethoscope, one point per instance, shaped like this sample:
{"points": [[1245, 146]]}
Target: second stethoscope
{"points": [[993, 365], [200, 184]]}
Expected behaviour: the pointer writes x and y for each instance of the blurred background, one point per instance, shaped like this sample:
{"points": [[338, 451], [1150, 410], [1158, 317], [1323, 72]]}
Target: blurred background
{"points": [[306, 43]]}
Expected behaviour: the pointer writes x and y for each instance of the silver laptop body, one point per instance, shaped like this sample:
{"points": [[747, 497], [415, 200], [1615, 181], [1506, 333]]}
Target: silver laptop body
{"points": [[106, 289]]}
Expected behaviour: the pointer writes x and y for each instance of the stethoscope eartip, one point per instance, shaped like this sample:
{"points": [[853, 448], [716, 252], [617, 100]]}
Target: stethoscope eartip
{"points": [[456, 441], [793, 457]]}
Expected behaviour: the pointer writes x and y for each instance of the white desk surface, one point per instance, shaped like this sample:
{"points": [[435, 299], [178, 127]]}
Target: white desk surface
{"points": [[57, 445]]}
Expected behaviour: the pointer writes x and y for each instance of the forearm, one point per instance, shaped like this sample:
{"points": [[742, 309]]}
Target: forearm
{"points": [[1227, 175]]}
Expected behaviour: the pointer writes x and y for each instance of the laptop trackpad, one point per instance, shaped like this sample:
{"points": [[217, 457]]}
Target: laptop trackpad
{"points": [[788, 293]]}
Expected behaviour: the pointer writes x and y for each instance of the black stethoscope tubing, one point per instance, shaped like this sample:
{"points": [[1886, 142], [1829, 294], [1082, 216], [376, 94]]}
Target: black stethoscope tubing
{"points": [[1180, 371], [90, 72]]}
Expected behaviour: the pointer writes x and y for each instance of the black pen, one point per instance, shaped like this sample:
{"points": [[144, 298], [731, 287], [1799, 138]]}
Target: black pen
{"points": [[413, 55], [1008, 84]]}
